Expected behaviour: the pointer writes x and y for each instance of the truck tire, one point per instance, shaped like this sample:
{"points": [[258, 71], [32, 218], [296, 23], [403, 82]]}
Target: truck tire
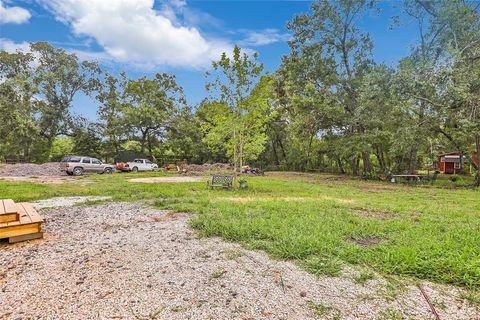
{"points": [[134, 169], [107, 170], [77, 171]]}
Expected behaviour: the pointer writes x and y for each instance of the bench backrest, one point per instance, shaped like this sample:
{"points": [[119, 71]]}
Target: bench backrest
{"points": [[222, 180]]}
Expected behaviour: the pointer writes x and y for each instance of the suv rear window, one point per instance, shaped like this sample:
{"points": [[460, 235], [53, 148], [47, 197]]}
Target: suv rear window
{"points": [[73, 159], [86, 160]]}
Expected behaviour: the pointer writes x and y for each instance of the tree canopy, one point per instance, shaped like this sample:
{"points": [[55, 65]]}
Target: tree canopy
{"points": [[328, 106]]}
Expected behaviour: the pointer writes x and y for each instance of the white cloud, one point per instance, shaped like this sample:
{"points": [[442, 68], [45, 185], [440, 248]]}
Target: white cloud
{"points": [[11, 47], [13, 14], [264, 37], [132, 31]]}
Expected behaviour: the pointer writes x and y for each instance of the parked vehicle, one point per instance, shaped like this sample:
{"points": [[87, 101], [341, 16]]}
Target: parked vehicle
{"points": [[137, 165], [79, 165]]}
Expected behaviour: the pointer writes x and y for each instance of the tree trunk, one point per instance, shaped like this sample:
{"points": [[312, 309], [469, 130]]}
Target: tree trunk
{"points": [[235, 150], [26, 152], [340, 166], [275, 155], [282, 148], [309, 152], [142, 142], [412, 164], [380, 157], [355, 166], [477, 145], [367, 164], [150, 153], [240, 155]]}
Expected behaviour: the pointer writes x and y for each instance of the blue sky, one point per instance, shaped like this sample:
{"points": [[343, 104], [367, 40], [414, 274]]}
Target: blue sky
{"points": [[143, 37]]}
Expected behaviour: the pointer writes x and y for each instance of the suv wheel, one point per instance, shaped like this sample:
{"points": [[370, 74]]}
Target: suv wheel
{"points": [[77, 171], [107, 170], [134, 169]]}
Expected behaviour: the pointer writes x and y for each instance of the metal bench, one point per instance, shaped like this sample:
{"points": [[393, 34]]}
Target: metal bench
{"points": [[219, 181]]}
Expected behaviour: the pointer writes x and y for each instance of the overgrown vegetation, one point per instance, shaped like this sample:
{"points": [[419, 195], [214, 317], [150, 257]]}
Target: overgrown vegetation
{"points": [[431, 233], [328, 107]]}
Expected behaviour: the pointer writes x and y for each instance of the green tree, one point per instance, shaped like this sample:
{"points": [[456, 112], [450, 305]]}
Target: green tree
{"points": [[60, 76], [18, 106], [241, 103], [147, 107], [110, 114], [454, 30], [61, 147], [330, 57], [87, 139]]}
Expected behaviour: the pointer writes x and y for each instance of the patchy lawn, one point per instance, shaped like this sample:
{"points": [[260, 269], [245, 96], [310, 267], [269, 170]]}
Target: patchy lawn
{"points": [[322, 222]]}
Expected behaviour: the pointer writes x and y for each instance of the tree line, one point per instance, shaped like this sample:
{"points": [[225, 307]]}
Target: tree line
{"points": [[329, 106]]}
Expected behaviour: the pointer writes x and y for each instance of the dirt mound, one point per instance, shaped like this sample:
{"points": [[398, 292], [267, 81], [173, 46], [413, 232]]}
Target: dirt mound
{"points": [[31, 169]]}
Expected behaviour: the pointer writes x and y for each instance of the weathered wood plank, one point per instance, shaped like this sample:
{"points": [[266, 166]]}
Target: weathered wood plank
{"points": [[19, 230], [2, 207], [27, 226], [31, 212], [8, 217], [25, 237], [24, 217], [9, 206]]}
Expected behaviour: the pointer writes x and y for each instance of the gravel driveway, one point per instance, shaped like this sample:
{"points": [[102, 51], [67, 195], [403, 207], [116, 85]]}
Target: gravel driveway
{"points": [[130, 261]]}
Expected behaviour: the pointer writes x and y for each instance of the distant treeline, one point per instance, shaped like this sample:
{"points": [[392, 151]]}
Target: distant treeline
{"points": [[329, 106]]}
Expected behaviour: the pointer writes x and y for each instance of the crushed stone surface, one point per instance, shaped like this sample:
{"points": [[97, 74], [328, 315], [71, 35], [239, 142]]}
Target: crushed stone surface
{"points": [[65, 201], [131, 261]]}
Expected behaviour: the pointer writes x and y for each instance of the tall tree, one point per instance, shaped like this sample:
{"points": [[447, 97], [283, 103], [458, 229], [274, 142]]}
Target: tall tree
{"points": [[242, 111], [454, 33], [59, 77], [147, 106], [109, 113], [18, 107], [336, 55]]}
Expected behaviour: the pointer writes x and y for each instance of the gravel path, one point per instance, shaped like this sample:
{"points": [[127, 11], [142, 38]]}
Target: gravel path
{"points": [[130, 261]]}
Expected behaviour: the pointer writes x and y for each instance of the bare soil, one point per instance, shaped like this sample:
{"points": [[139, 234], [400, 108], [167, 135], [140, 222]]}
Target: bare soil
{"points": [[132, 261], [380, 215], [167, 179], [48, 179], [367, 241], [300, 199]]}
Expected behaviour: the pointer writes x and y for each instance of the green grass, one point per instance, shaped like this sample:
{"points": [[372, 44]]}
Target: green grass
{"points": [[321, 222]]}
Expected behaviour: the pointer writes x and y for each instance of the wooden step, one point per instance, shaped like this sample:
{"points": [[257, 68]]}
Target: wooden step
{"points": [[8, 211], [29, 222]]}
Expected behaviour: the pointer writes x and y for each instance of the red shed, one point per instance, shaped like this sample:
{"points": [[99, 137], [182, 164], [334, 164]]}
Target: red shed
{"points": [[451, 163]]}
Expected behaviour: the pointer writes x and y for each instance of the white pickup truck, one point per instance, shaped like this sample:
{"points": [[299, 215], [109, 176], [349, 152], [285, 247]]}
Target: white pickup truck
{"points": [[137, 165]]}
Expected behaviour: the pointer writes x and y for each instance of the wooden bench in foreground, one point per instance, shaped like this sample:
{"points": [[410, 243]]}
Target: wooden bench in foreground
{"points": [[19, 221], [219, 181]]}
